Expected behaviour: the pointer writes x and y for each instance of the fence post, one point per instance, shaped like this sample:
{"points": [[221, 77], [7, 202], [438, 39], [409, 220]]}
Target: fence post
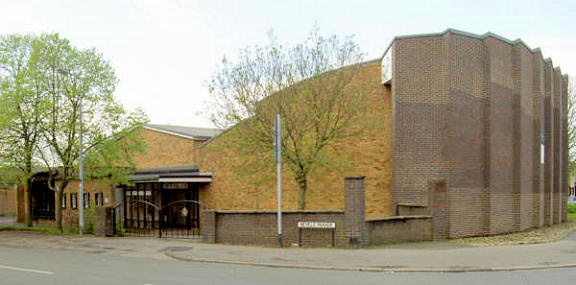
{"points": [[160, 219]]}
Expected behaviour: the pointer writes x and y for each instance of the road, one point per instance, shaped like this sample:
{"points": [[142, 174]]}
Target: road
{"points": [[65, 267]]}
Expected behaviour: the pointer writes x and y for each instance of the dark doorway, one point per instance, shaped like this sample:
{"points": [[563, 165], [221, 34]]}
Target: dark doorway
{"points": [[43, 200], [162, 210], [180, 216]]}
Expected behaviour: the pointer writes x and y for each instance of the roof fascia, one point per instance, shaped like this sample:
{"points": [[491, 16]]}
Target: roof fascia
{"points": [[172, 133]]}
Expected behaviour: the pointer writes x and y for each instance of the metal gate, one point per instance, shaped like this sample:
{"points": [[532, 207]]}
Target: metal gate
{"points": [[164, 210]]}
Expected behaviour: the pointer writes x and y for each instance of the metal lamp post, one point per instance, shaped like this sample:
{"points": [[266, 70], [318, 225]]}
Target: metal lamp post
{"points": [[278, 160], [80, 165]]}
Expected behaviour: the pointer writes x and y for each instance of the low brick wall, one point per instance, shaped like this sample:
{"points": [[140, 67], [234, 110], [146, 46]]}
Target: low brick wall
{"points": [[352, 229], [259, 227], [399, 229]]}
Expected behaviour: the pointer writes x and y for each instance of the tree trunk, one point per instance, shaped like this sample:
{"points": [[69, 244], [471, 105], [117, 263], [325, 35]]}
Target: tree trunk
{"points": [[58, 209], [302, 187], [28, 208]]}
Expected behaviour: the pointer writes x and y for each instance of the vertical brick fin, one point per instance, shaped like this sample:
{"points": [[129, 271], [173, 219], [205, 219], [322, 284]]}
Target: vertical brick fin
{"points": [[420, 95], [501, 136], [486, 200], [516, 138], [354, 212], [548, 142], [527, 146], [557, 79], [538, 169], [464, 147], [565, 150]]}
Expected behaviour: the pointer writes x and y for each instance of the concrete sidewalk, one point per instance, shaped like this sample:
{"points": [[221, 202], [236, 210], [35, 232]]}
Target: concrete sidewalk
{"points": [[413, 257]]}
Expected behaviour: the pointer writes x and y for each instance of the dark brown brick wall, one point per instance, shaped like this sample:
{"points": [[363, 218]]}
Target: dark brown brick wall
{"points": [[549, 141], [469, 112], [259, 227], [354, 205], [399, 229], [208, 226]]}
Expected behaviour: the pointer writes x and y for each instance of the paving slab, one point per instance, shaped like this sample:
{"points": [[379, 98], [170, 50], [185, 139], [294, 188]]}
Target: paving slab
{"points": [[412, 257]]}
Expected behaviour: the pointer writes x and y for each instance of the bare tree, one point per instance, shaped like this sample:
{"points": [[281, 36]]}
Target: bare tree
{"points": [[571, 126], [309, 84]]}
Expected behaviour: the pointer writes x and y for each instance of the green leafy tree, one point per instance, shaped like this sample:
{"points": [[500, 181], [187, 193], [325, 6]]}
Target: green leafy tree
{"points": [[82, 80], [308, 84], [21, 109], [46, 82]]}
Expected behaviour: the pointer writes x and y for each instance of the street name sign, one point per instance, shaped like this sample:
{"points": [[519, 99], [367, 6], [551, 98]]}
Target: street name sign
{"points": [[316, 225]]}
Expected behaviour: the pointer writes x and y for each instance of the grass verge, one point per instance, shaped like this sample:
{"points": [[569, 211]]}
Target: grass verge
{"points": [[571, 210]]}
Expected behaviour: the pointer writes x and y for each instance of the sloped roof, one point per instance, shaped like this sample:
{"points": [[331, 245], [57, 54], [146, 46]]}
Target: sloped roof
{"points": [[183, 131]]}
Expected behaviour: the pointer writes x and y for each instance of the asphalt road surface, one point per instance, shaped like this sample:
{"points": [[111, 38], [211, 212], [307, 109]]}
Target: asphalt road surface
{"points": [[65, 267]]}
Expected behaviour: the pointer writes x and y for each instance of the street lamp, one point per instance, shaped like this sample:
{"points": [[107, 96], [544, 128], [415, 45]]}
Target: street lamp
{"points": [[80, 165]]}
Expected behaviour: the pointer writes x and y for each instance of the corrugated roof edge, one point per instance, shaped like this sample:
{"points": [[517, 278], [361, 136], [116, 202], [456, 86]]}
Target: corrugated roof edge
{"points": [[476, 36], [179, 134]]}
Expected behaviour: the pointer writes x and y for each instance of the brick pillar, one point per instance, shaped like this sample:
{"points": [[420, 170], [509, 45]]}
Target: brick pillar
{"points": [[356, 230], [440, 208], [104, 221], [208, 226]]}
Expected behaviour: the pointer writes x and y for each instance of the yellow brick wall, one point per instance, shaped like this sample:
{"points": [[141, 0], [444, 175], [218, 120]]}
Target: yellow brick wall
{"points": [[70, 216], [8, 200], [164, 150], [238, 185]]}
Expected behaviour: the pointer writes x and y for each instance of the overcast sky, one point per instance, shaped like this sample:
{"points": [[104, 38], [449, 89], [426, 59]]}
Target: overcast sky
{"points": [[164, 51]]}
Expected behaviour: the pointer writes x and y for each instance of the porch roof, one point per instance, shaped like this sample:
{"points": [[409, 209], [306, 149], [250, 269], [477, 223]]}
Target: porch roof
{"points": [[171, 174]]}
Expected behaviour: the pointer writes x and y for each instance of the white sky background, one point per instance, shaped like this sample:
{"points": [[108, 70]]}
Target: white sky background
{"points": [[164, 51]]}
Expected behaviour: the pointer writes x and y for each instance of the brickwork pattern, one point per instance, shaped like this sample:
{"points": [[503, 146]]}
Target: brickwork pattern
{"points": [[8, 201], [260, 227], [91, 187], [470, 111], [163, 150], [399, 229], [236, 186], [354, 217], [208, 226]]}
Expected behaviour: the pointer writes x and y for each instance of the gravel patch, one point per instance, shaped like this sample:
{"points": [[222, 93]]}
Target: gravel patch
{"points": [[538, 235]]}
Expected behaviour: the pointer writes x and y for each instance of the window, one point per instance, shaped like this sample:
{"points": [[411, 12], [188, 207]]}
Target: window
{"points": [[542, 148], [63, 200], [74, 200], [99, 199], [387, 67], [86, 200]]}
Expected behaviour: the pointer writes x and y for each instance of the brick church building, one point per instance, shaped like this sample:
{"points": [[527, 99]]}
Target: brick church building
{"points": [[471, 140], [472, 134]]}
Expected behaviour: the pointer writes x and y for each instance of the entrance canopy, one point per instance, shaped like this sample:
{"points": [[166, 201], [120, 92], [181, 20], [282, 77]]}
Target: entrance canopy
{"points": [[176, 174]]}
